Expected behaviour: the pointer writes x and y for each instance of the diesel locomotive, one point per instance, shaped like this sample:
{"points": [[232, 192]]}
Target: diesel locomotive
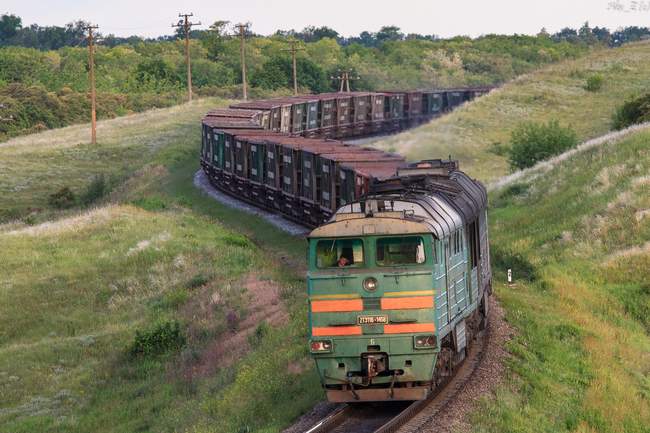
{"points": [[398, 284]]}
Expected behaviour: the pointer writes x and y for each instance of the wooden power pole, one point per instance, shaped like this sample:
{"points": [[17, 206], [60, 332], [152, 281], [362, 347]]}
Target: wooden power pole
{"points": [[242, 33], [344, 79], [93, 95], [187, 26], [293, 51]]}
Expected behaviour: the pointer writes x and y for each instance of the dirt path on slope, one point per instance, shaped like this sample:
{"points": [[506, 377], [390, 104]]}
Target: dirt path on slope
{"points": [[264, 305]]}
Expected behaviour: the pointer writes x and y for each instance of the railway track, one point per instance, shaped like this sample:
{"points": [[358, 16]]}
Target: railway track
{"points": [[409, 417]]}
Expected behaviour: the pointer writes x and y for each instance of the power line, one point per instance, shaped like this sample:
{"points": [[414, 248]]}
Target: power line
{"points": [[93, 96], [344, 78], [294, 49], [242, 33], [187, 26]]}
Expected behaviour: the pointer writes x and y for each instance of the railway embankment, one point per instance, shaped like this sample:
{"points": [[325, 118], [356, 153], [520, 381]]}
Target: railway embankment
{"points": [[575, 233]]}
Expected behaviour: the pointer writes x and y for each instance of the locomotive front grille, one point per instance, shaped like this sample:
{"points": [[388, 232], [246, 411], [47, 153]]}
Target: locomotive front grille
{"points": [[372, 303]]}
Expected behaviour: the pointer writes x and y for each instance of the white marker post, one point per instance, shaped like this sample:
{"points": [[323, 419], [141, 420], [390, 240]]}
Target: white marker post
{"points": [[510, 277]]}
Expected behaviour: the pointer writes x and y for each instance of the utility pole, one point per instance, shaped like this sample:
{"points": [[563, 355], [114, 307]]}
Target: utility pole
{"points": [[242, 33], [93, 96], [187, 26], [293, 51], [344, 78]]}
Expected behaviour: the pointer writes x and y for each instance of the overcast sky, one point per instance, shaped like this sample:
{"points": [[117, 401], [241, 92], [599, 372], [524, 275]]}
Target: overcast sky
{"points": [[348, 17]]}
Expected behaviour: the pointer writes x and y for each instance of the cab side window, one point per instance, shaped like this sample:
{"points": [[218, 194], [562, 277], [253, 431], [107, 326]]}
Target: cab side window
{"points": [[339, 253]]}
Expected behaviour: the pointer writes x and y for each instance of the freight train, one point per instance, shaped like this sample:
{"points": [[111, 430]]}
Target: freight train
{"points": [[399, 269], [283, 154]]}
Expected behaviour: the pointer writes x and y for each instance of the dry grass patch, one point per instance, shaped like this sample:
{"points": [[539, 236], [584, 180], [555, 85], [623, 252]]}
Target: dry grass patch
{"points": [[471, 133]]}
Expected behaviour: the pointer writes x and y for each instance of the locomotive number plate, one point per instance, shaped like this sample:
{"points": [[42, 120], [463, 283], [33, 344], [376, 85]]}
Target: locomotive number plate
{"points": [[372, 320]]}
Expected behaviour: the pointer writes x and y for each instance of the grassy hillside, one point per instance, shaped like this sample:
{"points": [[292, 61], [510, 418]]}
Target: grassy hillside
{"points": [[89, 298], [35, 166], [578, 241], [78, 285], [475, 132]]}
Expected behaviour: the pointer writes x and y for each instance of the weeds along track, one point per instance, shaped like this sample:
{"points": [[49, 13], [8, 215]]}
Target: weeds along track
{"points": [[405, 417]]}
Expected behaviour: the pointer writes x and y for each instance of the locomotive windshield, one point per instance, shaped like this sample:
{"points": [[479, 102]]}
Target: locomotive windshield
{"points": [[339, 253], [400, 251]]}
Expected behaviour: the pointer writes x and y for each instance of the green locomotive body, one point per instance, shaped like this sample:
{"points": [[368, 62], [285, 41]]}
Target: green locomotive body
{"points": [[398, 285]]}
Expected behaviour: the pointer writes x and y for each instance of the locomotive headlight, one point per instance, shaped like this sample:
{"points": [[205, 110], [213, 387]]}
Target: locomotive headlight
{"points": [[370, 284], [425, 341], [321, 346]]}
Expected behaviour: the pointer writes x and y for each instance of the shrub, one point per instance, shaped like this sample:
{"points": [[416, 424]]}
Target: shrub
{"points": [[198, 280], [236, 240], [631, 112], [261, 331], [533, 142], [594, 83], [95, 190], [515, 189], [277, 73], [157, 74], [62, 199], [522, 269], [160, 339]]}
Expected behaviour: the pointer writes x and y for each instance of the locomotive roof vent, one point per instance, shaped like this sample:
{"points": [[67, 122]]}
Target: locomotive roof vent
{"points": [[438, 167]]}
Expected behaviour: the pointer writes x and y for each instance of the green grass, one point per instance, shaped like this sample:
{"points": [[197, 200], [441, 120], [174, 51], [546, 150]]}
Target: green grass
{"points": [[35, 166], [73, 294], [477, 133], [580, 359], [75, 289]]}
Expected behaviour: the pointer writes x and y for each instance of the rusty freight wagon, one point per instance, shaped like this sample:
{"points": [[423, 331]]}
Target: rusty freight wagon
{"points": [[304, 179]]}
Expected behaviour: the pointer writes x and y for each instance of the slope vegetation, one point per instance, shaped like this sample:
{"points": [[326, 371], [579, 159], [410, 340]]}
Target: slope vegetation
{"points": [[577, 236], [35, 166], [154, 309], [476, 132]]}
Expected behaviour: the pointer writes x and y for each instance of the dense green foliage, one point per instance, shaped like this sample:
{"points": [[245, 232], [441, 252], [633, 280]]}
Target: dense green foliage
{"points": [[32, 108], [44, 80], [594, 83], [635, 111], [532, 142], [159, 339]]}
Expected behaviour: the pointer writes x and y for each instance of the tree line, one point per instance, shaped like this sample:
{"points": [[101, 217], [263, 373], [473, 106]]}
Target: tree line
{"points": [[13, 33], [44, 80]]}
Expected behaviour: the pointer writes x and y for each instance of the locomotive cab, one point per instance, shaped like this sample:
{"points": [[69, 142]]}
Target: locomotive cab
{"points": [[398, 285], [371, 287]]}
